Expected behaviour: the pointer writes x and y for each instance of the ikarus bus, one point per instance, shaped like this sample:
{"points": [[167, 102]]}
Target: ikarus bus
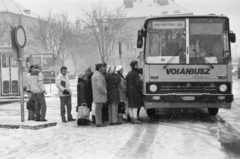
{"points": [[187, 62]]}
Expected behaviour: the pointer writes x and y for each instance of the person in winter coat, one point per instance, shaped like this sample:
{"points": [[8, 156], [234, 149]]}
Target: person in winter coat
{"points": [[31, 113], [122, 91], [64, 92], [38, 90], [82, 89], [134, 92], [113, 80], [89, 97], [99, 89]]}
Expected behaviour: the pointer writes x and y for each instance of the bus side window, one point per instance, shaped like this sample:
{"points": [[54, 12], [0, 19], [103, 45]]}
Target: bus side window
{"points": [[5, 61]]}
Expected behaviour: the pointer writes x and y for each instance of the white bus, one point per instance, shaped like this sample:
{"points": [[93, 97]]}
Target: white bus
{"points": [[187, 62]]}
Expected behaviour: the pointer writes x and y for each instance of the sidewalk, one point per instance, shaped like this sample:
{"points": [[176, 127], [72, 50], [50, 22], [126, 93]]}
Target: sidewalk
{"points": [[10, 116]]}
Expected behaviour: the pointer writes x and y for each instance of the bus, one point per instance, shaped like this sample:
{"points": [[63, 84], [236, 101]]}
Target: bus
{"points": [[186, 62], [48, 63], [8, 73]]}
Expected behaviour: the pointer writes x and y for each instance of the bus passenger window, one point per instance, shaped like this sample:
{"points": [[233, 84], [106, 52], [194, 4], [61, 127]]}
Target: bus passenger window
{"points": [[5, 61]]}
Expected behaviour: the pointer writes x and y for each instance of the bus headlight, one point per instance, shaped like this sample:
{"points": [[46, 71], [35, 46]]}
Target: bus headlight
{"points": [[223, 88], [153, 88]]}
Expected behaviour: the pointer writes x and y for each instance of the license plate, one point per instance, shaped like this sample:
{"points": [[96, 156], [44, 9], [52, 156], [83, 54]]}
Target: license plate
{"points": [[189, 98]]}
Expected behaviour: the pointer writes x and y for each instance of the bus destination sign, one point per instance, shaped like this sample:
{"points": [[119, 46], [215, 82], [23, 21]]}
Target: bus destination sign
{"points": [[168, 25]]}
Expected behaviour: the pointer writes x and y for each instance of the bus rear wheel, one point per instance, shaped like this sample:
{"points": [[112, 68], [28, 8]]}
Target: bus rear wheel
{"points": [[213, 111], [151, 112]]}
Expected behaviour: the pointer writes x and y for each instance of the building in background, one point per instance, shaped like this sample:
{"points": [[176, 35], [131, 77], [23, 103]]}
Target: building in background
{"points": [[12, 13], [136, 12]]}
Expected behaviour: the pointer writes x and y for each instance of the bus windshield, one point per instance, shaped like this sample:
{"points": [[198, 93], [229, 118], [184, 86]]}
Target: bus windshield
{"points": [[46, 61], [167, 41], [208, 40]]}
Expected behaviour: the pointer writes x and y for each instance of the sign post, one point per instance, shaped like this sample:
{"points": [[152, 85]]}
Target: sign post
{"points": [[20, 40]]}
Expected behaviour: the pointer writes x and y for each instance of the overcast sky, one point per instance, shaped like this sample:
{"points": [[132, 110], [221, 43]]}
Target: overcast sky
{"points": [[230, 8]]}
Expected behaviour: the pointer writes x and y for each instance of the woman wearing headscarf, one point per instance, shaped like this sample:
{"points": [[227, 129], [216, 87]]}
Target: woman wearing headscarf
{"points": [[134, 92], [113, 80]]}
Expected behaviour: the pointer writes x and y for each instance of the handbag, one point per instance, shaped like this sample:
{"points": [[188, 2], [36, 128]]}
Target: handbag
{"points": [[31, 104], [121, 108], [83, 111]]}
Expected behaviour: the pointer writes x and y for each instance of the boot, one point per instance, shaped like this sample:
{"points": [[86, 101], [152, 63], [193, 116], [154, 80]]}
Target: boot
{"points": [[120, 120], [129, 119], [136, 121], [132, 121], [93, 119]]}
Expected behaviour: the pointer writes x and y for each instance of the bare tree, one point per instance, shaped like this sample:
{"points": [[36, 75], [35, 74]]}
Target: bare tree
{"points": [[83, 51], [54, 33], [105, 26]]}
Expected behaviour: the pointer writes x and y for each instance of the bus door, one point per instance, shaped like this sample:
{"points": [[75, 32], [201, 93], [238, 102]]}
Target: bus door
{"points": [[9, 74]]}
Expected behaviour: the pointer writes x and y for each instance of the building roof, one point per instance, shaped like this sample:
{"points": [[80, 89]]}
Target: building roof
{"points": [[146, 8], [13, 7]]}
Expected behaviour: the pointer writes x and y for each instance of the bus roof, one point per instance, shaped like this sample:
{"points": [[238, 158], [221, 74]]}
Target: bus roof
{"points": [[41, 53], [186, 16]]}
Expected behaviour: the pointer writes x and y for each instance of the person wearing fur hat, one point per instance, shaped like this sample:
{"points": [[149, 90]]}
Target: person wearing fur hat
{"points": [[99, 89], [113, 80], [134, 92]]}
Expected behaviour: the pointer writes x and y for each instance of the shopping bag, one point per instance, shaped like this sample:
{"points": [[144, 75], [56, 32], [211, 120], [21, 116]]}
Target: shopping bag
{"points": [[83, 112], [31, 104], [83, 122]]}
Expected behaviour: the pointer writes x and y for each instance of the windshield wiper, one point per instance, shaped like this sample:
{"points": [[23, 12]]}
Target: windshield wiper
{"points": [[209, 63], [179, 50]]}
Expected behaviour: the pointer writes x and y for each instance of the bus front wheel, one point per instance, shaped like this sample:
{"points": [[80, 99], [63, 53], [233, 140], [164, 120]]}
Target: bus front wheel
{"points": [[151, 112], [213, 111]]}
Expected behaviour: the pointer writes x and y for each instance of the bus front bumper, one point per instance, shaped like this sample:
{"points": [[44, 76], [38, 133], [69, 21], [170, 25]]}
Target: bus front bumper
{"points": [[188, 101]]}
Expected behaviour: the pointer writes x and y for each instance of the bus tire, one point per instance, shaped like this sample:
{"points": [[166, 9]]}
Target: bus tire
{"points": [[151, 112], [213, 111]]}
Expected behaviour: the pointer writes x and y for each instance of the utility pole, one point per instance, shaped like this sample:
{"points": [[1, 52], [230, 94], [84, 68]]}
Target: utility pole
{"points": [[19, 40]]}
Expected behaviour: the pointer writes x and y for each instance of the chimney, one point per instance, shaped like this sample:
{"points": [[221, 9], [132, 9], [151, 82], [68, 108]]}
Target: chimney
{"points": [[27, 11], [162, 2], [128, 3]]}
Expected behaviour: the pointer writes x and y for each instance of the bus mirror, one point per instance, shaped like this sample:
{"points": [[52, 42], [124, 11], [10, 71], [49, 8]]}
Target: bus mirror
{"points": [[139, 39], [27, 59], [139, 43], [232, 37]]}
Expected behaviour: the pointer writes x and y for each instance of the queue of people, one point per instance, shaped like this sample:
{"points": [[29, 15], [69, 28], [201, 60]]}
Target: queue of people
{"points": [[104, 89]]}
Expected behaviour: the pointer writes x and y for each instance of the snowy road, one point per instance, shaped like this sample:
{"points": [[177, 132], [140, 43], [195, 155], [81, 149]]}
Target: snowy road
{"points": [[174, 133]]}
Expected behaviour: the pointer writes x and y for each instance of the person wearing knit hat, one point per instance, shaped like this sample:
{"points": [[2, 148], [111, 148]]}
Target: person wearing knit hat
{"points": [[82, 75], [134, 92], [118, 68], [110, 69], [123, 106], [113, 80]]}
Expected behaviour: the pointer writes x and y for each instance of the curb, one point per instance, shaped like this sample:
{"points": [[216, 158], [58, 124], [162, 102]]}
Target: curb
{"points": [[35, 127]]}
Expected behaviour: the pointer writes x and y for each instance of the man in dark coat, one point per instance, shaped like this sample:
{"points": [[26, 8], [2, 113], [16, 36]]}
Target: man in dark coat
{"points": [[134, 92]]}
